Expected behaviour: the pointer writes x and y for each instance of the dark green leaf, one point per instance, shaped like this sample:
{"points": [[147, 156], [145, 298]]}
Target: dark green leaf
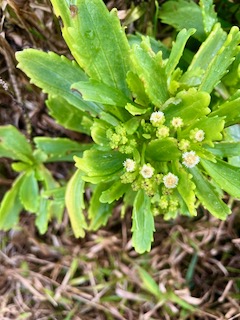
{"points": [[163, 150], [115, 192], [143, 223]]}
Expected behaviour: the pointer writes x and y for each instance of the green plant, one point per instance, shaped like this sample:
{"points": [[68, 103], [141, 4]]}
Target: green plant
{"points": [[158, 122]]}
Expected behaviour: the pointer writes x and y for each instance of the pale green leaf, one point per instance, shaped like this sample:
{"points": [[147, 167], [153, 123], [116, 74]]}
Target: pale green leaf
{"points": [[96, 40], [225, 175], [100, 92], [54, 75], [115, 192], [177, 49], [75, 204], [43, 216], [225, 149], [11, 206], [14, 145], [143, 223], [208, 196], [149, 68], [208, 14], [29, 192]]}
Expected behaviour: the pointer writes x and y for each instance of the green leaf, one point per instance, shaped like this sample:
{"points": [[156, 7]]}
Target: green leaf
{"points": [[60, 149], [208, 196], [150, 69], [54, 75], [99, 212], [189, 105], [225, 175], [115, 192], [11, 206], [183, 14], [137, 87], [208, 14], [29, 192], [98, 132], [225, 149], [75, 204], [177, 49], [68, 115], [96, 40], [229, 110], [163, 150], [14, 145], [143, 223], [212, 127], [218, 65], [98, 163], [149, 284], [100, 92], [186, 188], [43, 216]]}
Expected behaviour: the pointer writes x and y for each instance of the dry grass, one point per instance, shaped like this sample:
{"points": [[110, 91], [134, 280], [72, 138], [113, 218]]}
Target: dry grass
{"points": [[56, 276]]}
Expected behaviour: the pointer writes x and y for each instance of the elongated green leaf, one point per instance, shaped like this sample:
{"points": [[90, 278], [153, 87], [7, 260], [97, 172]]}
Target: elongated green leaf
{"points": [[75, 204], [208, 14], [221, 61], [225, 175], [60, 149], [225, 149], [115, 192], [100, 163], [100, 92], [14, 145], [208, 195], [149, 68], [11, 206], [54, 75], [99, 212], [96, 40], [29, 192], [137, 87], [177, 49], [163, 150], [183, 14], [209, 49], [43, 216], [69, 116], [186, 188], [143, 223], [229, 110], [189, 105]]}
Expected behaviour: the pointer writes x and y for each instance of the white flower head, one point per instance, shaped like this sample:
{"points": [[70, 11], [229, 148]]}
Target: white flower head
{"points": [[157, 118], [190, 159], [170, 180], [129, 165], [199, 135], [177, 122], [147, 171]]}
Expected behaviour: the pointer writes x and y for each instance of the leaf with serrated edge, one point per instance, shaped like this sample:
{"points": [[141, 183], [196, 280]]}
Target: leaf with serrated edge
{"points": [[75, 204], [143, 223], [54, 75], [96, 40]]}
